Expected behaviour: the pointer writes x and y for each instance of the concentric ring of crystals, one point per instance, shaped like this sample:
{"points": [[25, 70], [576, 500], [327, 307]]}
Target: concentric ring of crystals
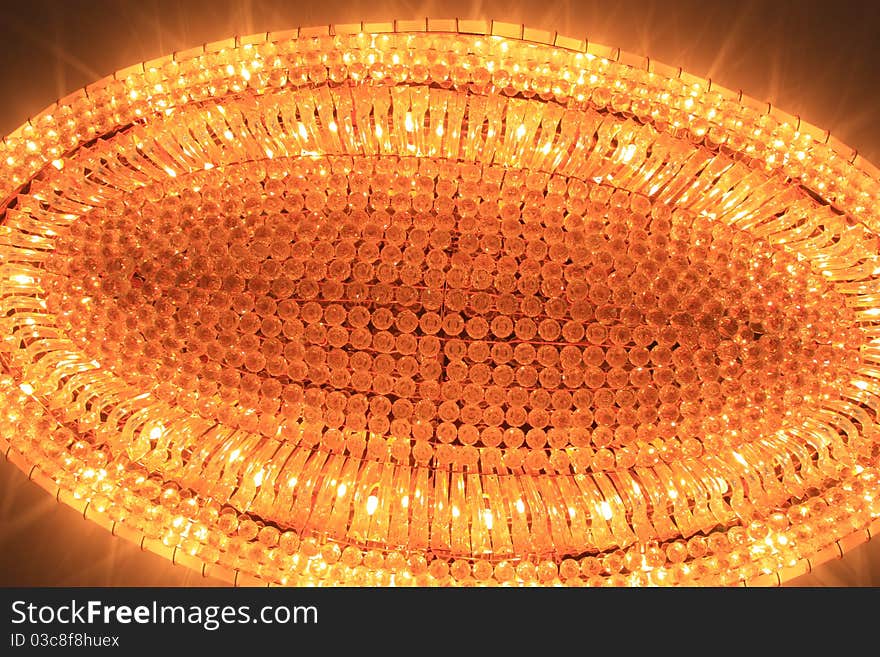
{"points": [[441, 308]]}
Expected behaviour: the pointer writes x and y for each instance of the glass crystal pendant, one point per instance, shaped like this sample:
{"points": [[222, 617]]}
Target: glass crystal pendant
{"points": [[442, 303]]}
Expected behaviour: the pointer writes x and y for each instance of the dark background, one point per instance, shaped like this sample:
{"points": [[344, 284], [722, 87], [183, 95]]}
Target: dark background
{"points": [[818, 60]]}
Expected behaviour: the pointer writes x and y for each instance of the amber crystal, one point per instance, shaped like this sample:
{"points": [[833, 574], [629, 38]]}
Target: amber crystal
{"points": [[394, 306]]}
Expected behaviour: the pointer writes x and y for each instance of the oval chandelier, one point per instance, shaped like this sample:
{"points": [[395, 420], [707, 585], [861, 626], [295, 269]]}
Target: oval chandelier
{"points": [[443, 303]]}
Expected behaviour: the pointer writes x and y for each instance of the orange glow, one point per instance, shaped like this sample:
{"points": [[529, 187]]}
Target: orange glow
{"points": [[476, 303]]}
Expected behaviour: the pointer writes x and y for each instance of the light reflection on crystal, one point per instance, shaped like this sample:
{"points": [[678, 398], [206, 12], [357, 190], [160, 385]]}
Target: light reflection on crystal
{"points": [[450, 306]]}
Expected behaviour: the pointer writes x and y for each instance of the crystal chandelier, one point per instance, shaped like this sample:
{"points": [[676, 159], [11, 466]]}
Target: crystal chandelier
{"points": [[442, 303]]}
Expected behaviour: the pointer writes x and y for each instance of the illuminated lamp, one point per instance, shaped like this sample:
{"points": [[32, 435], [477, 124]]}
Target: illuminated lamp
{"points": [[440, 303]]}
